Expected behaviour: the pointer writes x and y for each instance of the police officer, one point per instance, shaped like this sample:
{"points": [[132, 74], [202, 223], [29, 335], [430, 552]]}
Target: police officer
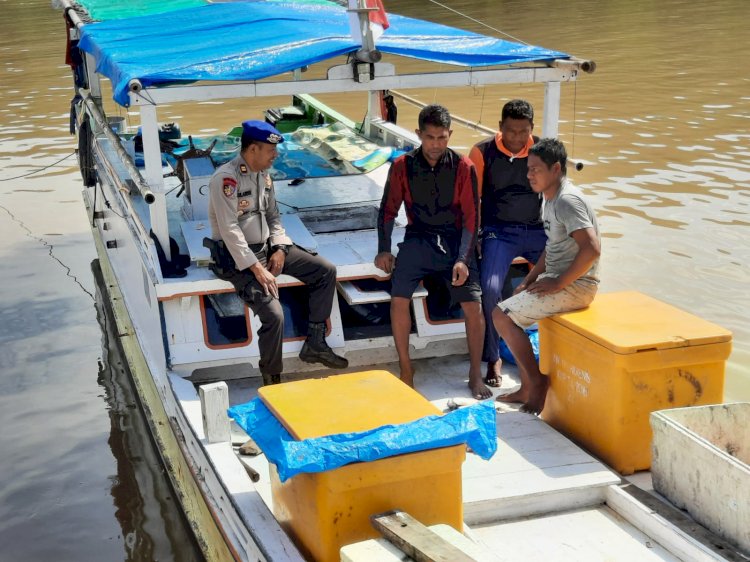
{"points": [[253, 249]]}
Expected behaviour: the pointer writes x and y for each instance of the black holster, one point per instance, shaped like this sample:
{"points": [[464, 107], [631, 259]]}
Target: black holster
{"points": [[222, 263]]}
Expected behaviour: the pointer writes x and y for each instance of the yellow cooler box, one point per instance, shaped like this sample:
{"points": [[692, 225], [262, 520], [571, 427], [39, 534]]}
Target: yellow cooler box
{"points": [[327, 510], [614, 363]]}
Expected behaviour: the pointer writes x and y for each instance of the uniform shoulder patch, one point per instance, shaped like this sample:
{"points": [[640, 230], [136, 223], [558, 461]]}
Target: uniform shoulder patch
{"points": [[229, 186]]}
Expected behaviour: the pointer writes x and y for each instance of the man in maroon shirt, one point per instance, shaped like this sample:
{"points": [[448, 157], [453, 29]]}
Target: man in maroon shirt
{"points": [[439, 189]]}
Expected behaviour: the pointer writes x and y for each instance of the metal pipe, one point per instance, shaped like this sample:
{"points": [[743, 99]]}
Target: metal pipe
{"points": [[471, 124], [588, 66], [135, 175], [71, 12], [465, 122]]}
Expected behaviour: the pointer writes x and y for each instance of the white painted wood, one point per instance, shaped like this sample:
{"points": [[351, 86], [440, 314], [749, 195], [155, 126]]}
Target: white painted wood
{"points": [[196, 230], [342, 191], [261, 521], [427, 327], [93, 78], [551, 109], [692, 465], [190, 472], [587, 535], [393, 135], [297, 231], [655, 526], [154, 176], [473, 78], [246, 520], [353, 295], [353, 254], [535, 470], [214, 404]]}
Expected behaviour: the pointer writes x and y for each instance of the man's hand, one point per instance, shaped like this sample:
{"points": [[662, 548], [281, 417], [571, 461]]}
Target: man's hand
{"points": [[460, 274], [525, 284], [276, 262], [385, 261], [266, 280], [545, 286]]}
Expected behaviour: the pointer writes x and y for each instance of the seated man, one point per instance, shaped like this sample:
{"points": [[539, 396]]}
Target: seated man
{"points": [[565, 276], [439, 188], [254, 249], [510, 214]]}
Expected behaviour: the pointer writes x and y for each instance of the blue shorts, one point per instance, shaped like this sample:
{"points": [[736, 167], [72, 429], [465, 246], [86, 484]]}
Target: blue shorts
{"points": [[419, 257]]}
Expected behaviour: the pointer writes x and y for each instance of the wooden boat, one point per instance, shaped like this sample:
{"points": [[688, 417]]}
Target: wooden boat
{"points": [[181, 327]]}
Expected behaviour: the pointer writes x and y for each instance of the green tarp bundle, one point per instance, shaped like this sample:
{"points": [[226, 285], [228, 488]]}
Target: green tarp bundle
{"points": [[104, 10]]}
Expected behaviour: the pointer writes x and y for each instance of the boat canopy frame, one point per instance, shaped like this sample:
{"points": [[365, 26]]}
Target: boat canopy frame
{"points": [[356, 76]]}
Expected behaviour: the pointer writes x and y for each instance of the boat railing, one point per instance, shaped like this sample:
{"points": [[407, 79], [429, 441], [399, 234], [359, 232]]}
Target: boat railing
{"points": [[93, 110]]}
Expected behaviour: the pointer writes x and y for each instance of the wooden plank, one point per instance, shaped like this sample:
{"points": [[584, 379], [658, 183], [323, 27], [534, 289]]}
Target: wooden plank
{"points": [[584, 535], [214, 404], [416, 540], [354, 295], [661, 529], [381, 550]]}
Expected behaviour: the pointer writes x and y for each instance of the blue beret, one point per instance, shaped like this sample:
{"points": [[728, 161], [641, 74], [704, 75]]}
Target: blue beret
{"points": [[261, 131]]}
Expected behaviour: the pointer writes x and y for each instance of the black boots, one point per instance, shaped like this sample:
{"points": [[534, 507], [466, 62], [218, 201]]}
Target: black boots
{"points": [[316, 349], [270, 379]]}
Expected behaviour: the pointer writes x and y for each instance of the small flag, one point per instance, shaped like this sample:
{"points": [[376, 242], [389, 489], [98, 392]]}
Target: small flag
{"points": [[379, 18]]}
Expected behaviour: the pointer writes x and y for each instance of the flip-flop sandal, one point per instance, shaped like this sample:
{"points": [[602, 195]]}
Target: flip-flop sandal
{"points": [[493, 382]]}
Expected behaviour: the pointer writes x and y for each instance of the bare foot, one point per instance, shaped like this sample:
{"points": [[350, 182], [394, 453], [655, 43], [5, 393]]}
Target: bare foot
{"points": [[521, 395], [478, 389], [537, 395], [407, 374], [494, 377]]}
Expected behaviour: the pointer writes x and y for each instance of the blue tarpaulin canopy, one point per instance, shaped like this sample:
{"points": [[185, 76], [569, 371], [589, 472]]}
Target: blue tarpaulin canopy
{"points": [[253, 40]]}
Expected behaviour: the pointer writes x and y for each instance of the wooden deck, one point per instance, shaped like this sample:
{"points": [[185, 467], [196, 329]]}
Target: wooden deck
{"points": [[535, 470], [540, 496]]}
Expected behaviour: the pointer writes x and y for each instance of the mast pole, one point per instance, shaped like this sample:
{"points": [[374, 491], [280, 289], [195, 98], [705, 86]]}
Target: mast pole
{"points": [[154, 177], [551, 118]]}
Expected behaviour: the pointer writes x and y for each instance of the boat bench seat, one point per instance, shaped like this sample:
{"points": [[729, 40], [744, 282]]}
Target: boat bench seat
{"points": [[226, 304], [195, 231], [355, 295]]}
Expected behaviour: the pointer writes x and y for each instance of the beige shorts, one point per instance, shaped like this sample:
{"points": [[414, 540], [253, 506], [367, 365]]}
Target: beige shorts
{"points": [[527, 308]]}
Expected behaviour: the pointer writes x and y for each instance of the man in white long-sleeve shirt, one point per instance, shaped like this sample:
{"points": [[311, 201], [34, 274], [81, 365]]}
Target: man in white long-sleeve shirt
{"points": [[244, 216]]}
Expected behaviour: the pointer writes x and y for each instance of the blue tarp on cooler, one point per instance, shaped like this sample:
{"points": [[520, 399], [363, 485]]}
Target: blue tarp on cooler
{"points": [[473, 425]]}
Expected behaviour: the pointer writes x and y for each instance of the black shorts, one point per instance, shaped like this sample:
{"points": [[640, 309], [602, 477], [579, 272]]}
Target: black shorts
{"points": [[419, 257]]}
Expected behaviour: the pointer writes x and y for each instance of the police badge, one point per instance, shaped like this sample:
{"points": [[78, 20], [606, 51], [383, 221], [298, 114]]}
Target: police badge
{"points": [[229, 186]]}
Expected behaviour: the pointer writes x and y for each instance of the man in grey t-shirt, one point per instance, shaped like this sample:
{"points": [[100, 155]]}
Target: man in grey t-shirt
{"points": [[564, 278]]}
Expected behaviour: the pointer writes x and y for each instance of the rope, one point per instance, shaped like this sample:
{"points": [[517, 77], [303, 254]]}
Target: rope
{"points": [[40, 169], [479, 22]]}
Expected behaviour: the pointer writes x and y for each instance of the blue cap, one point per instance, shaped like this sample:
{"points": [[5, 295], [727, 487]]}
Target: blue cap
{"points": [[261, 131]]}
